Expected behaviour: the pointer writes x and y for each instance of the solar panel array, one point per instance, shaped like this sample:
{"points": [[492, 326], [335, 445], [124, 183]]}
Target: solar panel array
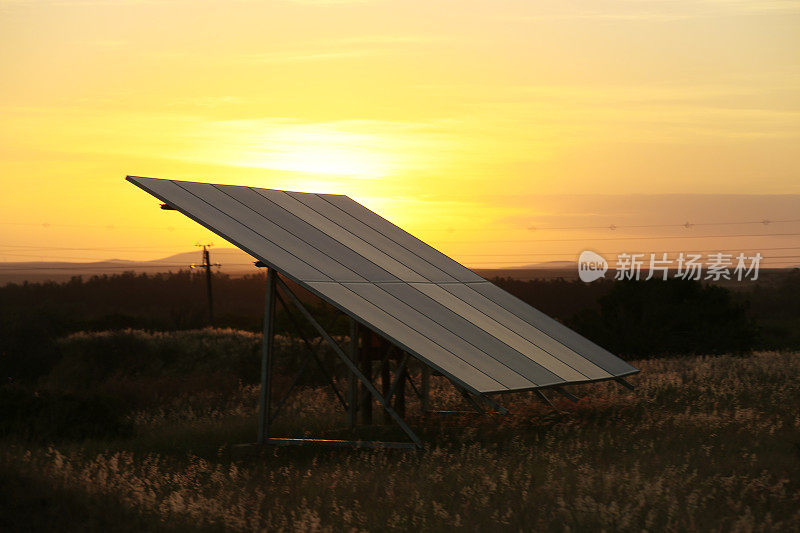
{"points": [[428, 304]]}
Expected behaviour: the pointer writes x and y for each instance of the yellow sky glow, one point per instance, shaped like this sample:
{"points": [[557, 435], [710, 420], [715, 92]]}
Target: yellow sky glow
{"points": [[463, 122]]}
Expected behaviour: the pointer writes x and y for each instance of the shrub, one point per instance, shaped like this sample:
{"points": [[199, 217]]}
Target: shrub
{"points": [[676, 316], [48, 416]]}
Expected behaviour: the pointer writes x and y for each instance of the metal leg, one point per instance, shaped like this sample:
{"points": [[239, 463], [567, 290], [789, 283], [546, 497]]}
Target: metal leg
{"points": [[400, 394], [426, 388], [414, 387], [352, 392], [494, 405], [313, 351], [296, 379], [266, 357], [399, 375], [300, 307], [364, 396], [386, 383], [624, 383], [544, 398], [470, 400], [571, 397]]}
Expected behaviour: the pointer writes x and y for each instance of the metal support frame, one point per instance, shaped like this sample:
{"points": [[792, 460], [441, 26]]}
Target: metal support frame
{"points": [[425, 386], [414, 387], [624, 383], [470, 400], [400, 374], [285, 397], [386, 381], [352, 382], [400, 393], [312, 352], [349, 363], [568, 395], [353, 402], [544, 398], [266, 357]]}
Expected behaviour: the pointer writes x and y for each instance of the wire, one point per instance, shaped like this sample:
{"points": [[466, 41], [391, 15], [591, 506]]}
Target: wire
{"points": [[469, 255], [76, 267], [633, 238], [114, 249], [49, 257], [464, 257], [686, 225], [135, 266], [103, 226], [542, 266], [628, 251]]}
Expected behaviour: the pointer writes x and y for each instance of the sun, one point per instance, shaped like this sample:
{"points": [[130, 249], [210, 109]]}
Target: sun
{"points": [[321, 149]]}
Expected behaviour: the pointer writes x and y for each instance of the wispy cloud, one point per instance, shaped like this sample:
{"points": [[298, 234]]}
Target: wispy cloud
{"points": [[329, 2], [295, 56], [658, 10], [341, 48]]}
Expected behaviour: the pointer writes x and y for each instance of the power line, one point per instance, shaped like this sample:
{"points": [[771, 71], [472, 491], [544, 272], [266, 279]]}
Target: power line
{"points": [[174, 252], [466, 256], [613, 227], [114, 249], [49, 257], [101, 226], [91, 265], [531, 241], [686, 225], [76, 268], [629, 251], [539, 265]]}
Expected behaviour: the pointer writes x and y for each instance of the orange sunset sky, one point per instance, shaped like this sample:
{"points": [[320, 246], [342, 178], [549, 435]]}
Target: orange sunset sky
{"points": [[503, 132]]}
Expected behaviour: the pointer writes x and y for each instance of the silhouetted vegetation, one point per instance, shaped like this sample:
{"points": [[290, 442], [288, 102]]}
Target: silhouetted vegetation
{"points": [[653, 318], [47, 416], [33, 316], [703, 444], [644, 319], [123, 406]]}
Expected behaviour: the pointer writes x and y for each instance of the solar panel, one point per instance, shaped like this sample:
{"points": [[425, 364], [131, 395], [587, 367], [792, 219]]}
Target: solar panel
{"points": [[438, 310]]}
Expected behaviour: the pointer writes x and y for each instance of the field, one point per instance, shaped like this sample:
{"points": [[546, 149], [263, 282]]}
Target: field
{"points": [[704, 443]]}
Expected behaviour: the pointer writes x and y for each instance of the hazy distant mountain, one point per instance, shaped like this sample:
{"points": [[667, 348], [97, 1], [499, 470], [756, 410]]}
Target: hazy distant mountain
{"points": [[230, 258], [548, 265], [233, 261]]}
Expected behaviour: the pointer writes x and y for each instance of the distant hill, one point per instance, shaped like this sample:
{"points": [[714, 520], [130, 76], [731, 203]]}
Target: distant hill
{"points": [[233, 262]]}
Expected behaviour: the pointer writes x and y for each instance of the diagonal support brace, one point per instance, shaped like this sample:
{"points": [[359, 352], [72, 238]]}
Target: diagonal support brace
{"points": [[544, 398], [311, 349], [569, 396], [399, 375], [624, 383], [353, 368], [471, 400], [296, 379]]}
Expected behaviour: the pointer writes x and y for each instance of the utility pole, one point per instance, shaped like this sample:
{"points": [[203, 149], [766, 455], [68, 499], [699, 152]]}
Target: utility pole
{"points": [[206, 264]]}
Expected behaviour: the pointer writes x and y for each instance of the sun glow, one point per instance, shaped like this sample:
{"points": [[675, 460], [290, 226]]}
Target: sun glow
{"points": [[321, 149], [454, 127]]}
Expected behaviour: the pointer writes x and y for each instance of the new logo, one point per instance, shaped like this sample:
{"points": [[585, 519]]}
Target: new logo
{"points": [[591, 266]]}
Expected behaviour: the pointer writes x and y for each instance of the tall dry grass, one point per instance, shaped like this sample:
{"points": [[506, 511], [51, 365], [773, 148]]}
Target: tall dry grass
{"points": [[703, 444]]}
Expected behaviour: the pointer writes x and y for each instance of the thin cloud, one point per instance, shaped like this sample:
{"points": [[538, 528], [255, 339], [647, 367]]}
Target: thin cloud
{"points": [[292, 57], [627, 10], [342, 48]]}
